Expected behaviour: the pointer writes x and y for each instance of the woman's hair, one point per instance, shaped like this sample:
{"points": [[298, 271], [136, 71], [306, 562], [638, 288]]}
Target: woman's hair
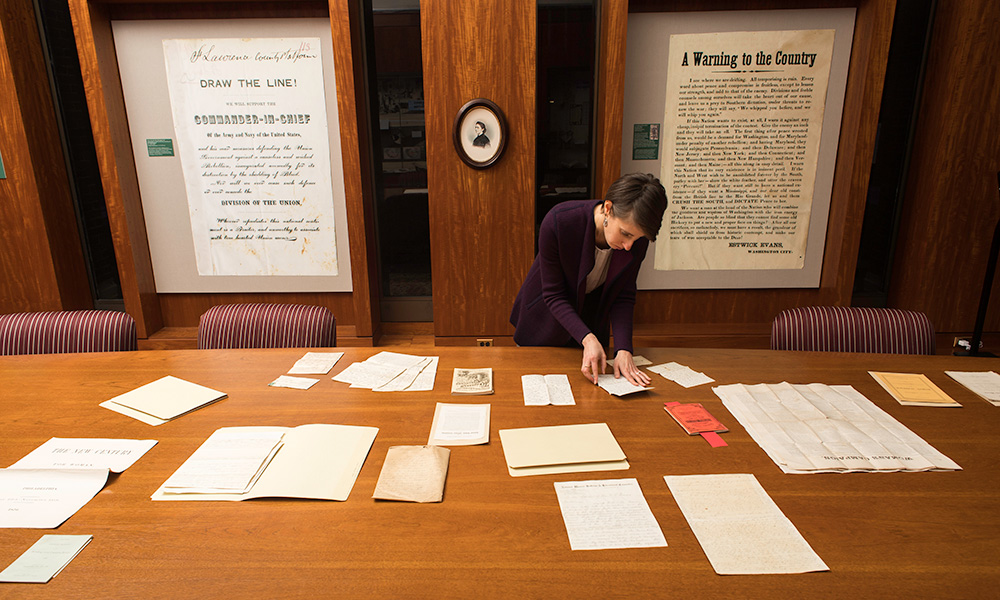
{"points": [[640, 198]]}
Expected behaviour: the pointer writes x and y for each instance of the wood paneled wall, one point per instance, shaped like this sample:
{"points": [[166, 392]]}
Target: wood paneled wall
{"points": [[951, 205], [481, 221], [743, 317], [153, 311], [41, 259]]}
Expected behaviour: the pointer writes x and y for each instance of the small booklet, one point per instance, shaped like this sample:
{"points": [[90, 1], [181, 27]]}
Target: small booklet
{"points": [[163, 400], [913, 389], [694, 418], [413, 474], [472, 382]]}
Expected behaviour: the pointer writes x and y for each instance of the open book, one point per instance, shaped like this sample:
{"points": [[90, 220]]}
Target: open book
{"points": [[319, 462]]}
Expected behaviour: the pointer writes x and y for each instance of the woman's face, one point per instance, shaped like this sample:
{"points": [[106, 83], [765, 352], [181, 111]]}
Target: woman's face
{"points": [[620, 234], [479, 129]]}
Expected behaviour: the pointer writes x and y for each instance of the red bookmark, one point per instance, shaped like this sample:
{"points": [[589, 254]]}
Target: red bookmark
{"points": [[714, 440]]}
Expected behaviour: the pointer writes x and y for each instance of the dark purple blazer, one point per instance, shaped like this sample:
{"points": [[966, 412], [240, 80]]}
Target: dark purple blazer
{"points": [[548, 306]]}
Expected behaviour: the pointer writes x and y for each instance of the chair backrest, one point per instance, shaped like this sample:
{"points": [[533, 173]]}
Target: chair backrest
{"points": [[267, 326], [853, 329], [67, 331]]}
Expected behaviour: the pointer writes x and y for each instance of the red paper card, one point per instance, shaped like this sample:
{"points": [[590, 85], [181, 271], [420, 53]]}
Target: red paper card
{"points": [[693, 418]]}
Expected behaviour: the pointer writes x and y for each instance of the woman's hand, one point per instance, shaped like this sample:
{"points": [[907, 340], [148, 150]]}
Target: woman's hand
{"points": [[594, 358], [625, 367]]}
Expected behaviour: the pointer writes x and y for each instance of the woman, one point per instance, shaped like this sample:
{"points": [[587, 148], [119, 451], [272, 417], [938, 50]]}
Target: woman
{"points": [[583, 280], [481, 140]]}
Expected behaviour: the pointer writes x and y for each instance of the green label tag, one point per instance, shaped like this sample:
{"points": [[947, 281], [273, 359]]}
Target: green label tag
{"points": [[3, 174], [160, 147], [645, 141]]}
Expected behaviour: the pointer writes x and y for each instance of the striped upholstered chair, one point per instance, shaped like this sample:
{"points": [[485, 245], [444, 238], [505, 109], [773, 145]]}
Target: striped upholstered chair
{"points": [[853, 329], [267, 326], [67, 331]]}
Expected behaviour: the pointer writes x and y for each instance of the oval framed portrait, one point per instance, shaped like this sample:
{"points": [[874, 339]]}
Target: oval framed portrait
{"points": [[480, 133]]}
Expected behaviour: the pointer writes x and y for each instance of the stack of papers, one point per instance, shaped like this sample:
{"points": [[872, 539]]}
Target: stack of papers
{"points": [[472, 382], [230, 461], [163, 400], [391, 372], [985, 384], [319, 462], [620, 386], [681, 375], [561, 449], [58, 478], [741, 530], [913, 389], [541, 390], [460, 425], [818, 428]]}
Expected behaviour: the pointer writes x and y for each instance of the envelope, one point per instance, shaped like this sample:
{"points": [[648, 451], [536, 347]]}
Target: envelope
{"points": [[561, 449]]}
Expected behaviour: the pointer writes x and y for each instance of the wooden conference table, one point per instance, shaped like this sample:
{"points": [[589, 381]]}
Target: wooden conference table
{"points": [[890, 535]]}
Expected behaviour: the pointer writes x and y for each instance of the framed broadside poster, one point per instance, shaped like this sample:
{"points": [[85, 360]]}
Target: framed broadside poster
{"points": [[750, 103], [251, 196]]}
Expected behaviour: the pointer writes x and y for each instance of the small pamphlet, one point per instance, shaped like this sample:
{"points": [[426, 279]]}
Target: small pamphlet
{"points": [[460, 425], [45, 558], [913, 389], [694, 419], [472, 381]]}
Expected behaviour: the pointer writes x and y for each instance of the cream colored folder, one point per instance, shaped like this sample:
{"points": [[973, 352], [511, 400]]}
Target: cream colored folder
{"points": [[319, 462], [561, 449], [162, 400]]}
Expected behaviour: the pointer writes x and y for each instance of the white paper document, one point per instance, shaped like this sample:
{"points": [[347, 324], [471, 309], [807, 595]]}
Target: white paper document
{"points": [[985, 384], [315, 363], [681, 375], [619, 386], [460, 425], [605, 514], [818, 428], [85, 453], [741, 530], [295, 383], [162, 400], [44, 498], [45, 558], [541, 390]]}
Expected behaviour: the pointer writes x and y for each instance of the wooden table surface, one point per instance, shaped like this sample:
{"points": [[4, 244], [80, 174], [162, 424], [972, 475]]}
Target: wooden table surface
{"points": [[887, 535]]}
